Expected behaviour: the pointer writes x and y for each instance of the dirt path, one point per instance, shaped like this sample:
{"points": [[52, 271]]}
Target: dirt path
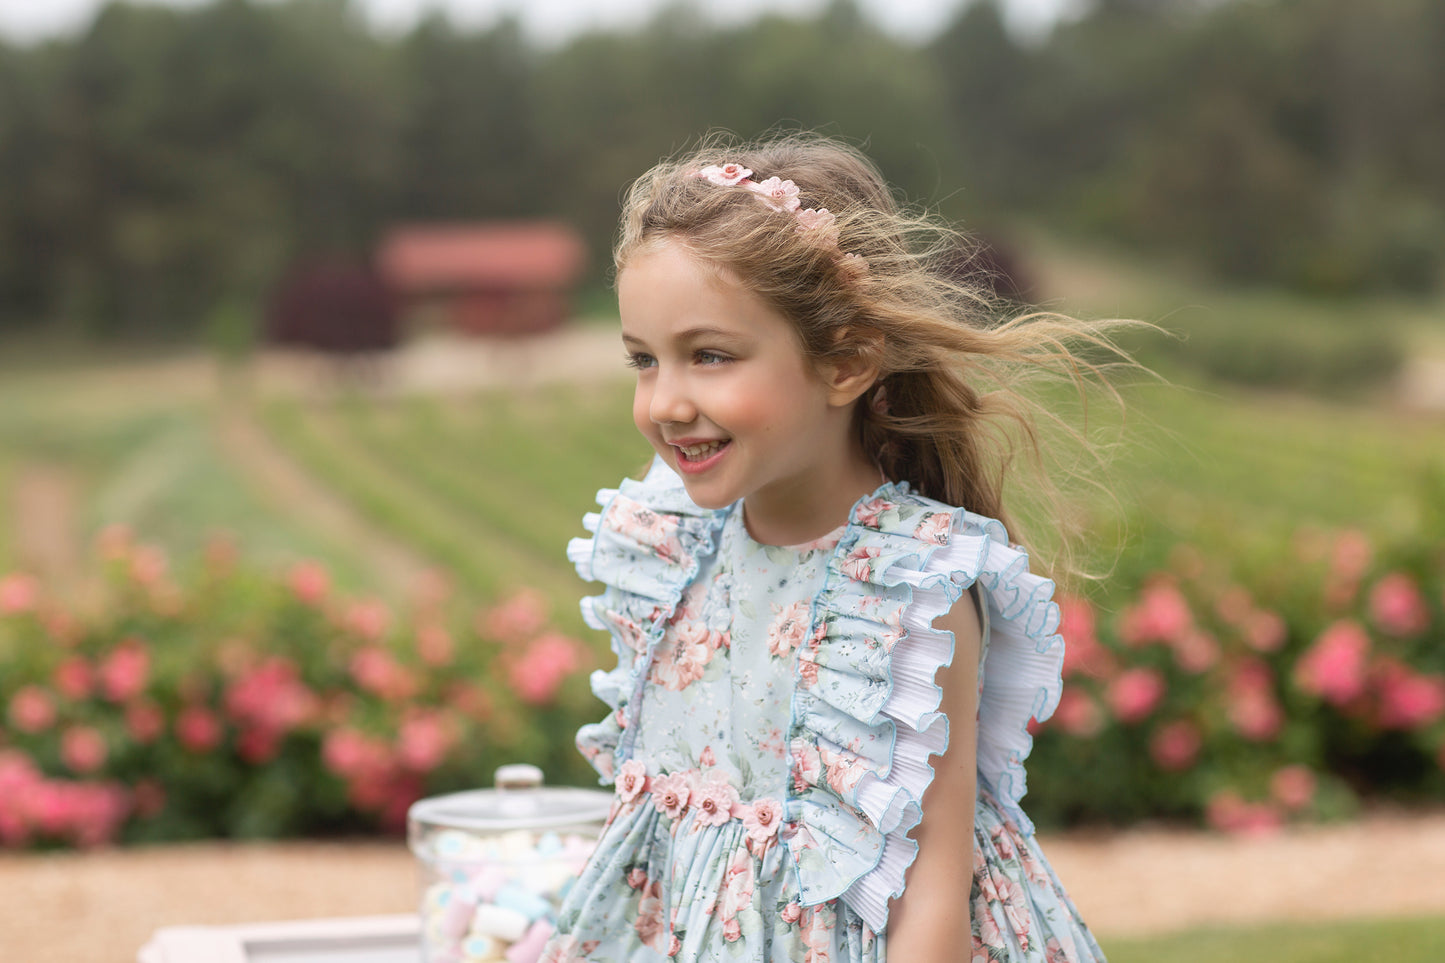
{"points": [[43, 512], [101, 907]]}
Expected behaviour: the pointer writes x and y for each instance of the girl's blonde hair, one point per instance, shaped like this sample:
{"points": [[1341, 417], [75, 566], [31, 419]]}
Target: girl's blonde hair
{"points": [[945, 413]]}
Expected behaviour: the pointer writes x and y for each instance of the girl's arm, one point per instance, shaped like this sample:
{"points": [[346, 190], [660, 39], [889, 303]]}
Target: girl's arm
{"points": [[929, 923]]}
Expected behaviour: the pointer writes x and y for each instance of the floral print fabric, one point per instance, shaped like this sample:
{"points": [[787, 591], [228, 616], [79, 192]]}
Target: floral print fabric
{"points": [[756, 732]]}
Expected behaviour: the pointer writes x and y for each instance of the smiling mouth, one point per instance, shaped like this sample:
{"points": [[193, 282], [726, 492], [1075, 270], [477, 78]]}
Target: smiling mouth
{"points": [[699, 452]]}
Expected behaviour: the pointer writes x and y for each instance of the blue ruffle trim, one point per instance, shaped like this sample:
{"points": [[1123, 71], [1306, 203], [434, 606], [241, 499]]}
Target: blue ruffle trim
{"points": [[865, 705], [647, 544]]}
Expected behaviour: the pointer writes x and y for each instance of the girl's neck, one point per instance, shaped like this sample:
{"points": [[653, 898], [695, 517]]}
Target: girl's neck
{"points": [[802, 515]]}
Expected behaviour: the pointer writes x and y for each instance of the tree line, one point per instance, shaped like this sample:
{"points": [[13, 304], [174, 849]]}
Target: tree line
{"points": [[166, 161]]}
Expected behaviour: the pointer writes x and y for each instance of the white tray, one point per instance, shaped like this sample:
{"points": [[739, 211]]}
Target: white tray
{"points": [[359, 939]]}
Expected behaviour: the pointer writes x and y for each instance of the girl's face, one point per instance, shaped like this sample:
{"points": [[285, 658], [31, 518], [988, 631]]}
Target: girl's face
{"points": [[727, 397]]}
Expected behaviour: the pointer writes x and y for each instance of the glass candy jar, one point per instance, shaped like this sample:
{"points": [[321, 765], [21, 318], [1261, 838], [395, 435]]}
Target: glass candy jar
{"points": [[496, 863]]}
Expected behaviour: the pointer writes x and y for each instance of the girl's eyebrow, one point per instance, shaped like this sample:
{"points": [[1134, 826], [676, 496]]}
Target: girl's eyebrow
{"points": [[692, 334]]}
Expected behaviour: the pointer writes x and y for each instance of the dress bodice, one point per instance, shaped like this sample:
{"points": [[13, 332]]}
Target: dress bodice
{"points": [[720, 685]]}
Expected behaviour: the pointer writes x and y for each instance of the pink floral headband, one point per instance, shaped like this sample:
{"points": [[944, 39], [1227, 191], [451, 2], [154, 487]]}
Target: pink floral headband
{"points": [[780, 195]]}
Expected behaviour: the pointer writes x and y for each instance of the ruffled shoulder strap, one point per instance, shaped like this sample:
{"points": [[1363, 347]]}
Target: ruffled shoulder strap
{"points": [[865, 708], [646, 546]]}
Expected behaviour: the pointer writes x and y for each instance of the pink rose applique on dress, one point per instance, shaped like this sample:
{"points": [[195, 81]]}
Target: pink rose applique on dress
{"points": [[713, 799], [762, 818], [670, 794], [631, 780]]}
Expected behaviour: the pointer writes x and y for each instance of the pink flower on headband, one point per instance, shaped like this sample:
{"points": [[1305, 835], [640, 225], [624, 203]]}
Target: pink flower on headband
{"points": [[821, 221], [726, 175], [778, 194]]}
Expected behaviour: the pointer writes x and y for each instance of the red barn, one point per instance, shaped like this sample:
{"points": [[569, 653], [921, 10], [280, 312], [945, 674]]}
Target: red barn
{"points": [[502, 278]]}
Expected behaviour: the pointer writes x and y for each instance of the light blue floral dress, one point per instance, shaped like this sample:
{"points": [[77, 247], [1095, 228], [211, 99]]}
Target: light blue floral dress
{"points": [[774, 711]]}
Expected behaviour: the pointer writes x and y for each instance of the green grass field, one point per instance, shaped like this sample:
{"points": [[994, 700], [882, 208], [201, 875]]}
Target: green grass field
{"points": [[1365, 941]]}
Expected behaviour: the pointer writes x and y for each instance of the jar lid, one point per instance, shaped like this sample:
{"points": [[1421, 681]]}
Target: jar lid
{"points": [[519, 801]]}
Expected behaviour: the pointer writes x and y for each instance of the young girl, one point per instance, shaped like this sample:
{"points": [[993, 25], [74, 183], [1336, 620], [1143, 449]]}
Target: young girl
{"points": [[829, 652]]}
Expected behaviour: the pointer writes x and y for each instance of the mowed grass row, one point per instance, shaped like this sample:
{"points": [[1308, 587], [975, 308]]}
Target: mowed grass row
{"points": [[491, 488]]}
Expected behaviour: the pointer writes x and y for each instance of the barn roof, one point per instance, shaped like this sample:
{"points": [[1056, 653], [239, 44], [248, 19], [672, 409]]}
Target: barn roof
{"points": [[532, 254]]}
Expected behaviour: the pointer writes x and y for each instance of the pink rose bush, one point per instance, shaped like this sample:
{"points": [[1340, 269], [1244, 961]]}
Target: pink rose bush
{"points": [[215, 700], [1246, 693]]}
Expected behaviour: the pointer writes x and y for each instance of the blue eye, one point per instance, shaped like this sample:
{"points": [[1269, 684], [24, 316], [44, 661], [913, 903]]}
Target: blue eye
{"points": [[712, 357], [639, 360]]}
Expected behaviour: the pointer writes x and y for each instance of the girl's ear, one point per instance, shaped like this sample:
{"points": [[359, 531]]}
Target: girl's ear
{"points": [[848, 379]]}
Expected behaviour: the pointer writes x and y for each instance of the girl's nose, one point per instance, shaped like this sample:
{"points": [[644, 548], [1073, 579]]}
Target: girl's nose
{"points": [[670, 404]]}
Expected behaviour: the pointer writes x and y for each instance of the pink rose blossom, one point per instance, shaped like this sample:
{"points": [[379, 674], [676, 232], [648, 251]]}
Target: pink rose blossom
{"points": [[124, 672], [515, 620], [368, 618], [198, 729], [713, 799], [1195, 651], [674, 945], [631, 780], [82, 748], [1161, 615], [778, 194], [934, 528], [145, 721], [1078, 714], [670, 794], [1265, 631], [378, 672], [1408, 700], [858, 565], [791, 913], [424, 740], [707, 757], [1397, 606], [636, 877], [1250, 702], [309, 582], [1334, 667], [1293, 787], [18, 593], [1135, 693], [724, 175], [32, 709], [148, 565], [271, 697], [1175, 745], [74, 678], [1082, 651], [1351, 556], [732, 930], [1227, 812], [546, 663], [434, 644]]}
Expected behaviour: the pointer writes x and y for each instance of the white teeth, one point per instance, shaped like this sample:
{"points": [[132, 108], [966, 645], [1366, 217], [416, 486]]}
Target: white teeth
{"points": [[695, 452]]}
